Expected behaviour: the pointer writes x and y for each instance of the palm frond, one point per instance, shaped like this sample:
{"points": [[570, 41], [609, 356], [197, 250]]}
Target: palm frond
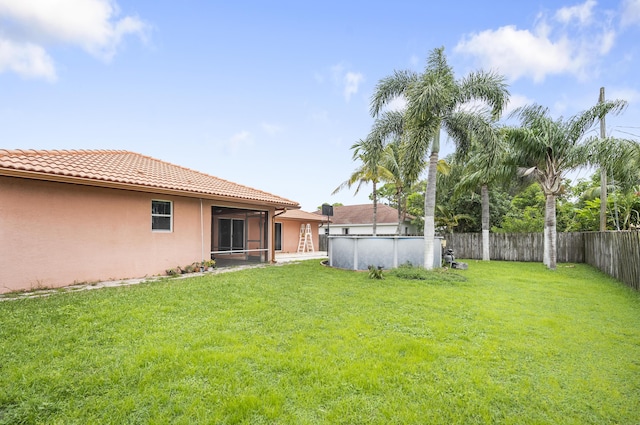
{"points": [[437, 64], [415, 149], [466, 127], [388, 126], [618, 156], [583, 122], [390, 88]]}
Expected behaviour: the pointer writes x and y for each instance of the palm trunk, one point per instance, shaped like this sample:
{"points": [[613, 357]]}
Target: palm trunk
{"points": [[550, 251], [429, 211], [485, 222], [375, 208], [399, 200], [603, 199], [545, 243]]}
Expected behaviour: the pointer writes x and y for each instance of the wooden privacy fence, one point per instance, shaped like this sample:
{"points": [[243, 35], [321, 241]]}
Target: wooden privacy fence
{"points": [[615, 253], [517, 246]]}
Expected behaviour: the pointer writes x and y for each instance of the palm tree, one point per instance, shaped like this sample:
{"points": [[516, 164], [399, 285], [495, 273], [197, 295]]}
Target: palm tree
{"points": [[393, 164], [484, 166], [389, 128], [448, 219], [434, 99], [369, 152], [394, 172], [548, 149], [621, 158]]}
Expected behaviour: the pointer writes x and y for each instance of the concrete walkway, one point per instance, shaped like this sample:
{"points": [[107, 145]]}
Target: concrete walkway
{"points": [[281, 259], [287, 258]]}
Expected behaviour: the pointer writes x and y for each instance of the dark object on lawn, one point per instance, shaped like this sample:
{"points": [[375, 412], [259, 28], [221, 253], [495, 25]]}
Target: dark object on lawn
{"points": [[450, 259], [375, 273]]}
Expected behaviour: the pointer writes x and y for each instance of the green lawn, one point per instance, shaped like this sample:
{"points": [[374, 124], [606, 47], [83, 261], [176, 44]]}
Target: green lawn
{"points": [[500, 343]]}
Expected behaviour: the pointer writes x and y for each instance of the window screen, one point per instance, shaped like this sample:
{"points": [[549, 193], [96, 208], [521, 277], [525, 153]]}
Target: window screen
{"points": [[161, 215], [230, 234]]}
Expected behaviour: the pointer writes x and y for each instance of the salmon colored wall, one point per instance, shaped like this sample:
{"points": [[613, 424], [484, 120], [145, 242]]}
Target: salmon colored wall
{"points": [[55, 234], [291, 234]]}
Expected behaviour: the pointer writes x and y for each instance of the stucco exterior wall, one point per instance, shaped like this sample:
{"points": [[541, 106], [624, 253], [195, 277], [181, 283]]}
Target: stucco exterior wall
{"points": [[291, 234], [55, 234]]}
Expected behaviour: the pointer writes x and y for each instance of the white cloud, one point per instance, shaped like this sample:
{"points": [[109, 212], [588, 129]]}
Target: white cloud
{"points": [[348, 81], [550, 47], [337, 71], [238, 142], [352, 82], [271, 129], [92, 25], [630, 95], [26, 59], [630, 13], [519, 53], [398, 104], [582, 13], [608, 39]]}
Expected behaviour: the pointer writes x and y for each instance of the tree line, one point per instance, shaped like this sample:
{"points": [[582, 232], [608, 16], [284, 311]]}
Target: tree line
{"points": [[514, 174]]}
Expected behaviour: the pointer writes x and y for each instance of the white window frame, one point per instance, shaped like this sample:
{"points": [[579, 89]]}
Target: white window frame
{"points": [[170, 215]]}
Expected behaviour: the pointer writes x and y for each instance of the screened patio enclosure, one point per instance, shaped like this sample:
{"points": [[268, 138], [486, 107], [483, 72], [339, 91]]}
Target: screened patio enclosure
{"points": [[238, 236]]}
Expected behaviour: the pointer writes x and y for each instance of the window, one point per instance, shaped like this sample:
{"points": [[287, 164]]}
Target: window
{"points": [[231, 234], [161, 215], [345, 231], [278, 236]]}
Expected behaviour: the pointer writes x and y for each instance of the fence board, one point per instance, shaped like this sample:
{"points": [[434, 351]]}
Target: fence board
{"points": [[615, 253]]}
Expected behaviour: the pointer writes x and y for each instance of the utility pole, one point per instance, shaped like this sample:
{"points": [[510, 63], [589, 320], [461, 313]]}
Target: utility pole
{"points": [[603, 174]]}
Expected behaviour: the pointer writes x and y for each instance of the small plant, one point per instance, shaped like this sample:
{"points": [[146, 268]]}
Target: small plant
{"points": [[437, 276], [375, 272], [209, 263], [191, 268], [174, 271]]}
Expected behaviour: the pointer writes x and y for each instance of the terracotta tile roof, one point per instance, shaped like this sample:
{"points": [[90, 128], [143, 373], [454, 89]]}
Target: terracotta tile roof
{"points": [[363, 214], [301, 215], [97, 167]]}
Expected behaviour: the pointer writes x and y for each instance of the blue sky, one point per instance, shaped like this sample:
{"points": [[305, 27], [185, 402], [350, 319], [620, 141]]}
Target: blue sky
{"points": [[273, 94]]}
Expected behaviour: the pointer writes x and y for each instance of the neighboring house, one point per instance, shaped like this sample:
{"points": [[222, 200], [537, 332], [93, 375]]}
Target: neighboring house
{"points": [[358, 220], [84, 216], [297, 231]]}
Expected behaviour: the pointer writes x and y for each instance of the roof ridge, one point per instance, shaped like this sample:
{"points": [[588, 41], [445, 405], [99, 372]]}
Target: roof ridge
{"points": [[369, 204], [59, 151]]}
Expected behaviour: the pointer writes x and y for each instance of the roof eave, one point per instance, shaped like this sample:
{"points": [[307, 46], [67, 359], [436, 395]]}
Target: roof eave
{"points": [[34, 175]]}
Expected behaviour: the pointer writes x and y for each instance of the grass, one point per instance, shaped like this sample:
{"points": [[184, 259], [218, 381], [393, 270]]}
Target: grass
{"points": [[507, 343]]}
